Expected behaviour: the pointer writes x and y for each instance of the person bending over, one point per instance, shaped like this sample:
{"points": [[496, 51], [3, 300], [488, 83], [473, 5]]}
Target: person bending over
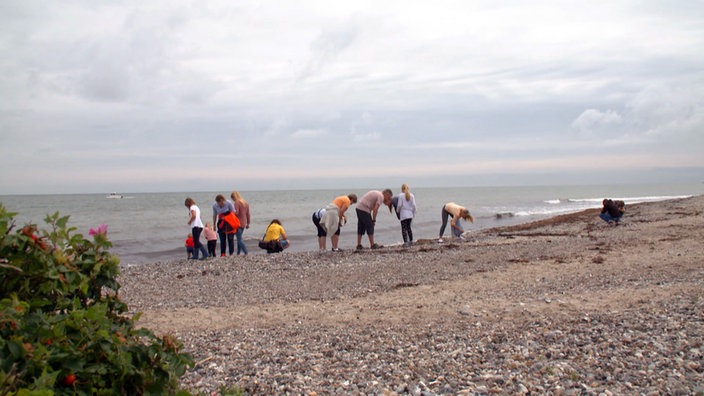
{"points": [[456, 212], [333, 217], [367, 210]]}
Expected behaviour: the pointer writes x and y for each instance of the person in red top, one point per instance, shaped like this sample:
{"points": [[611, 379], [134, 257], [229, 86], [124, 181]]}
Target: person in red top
{"points": [[189, 246]]}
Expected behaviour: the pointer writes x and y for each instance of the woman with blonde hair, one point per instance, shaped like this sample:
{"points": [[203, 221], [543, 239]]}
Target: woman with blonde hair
{"points": [[457, 212], [406, 210], [242, 208]]}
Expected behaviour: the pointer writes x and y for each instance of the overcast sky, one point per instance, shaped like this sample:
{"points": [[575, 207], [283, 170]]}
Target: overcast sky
{"points": [[137, 96]]}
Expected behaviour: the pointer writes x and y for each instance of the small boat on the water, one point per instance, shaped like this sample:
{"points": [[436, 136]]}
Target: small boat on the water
{"points": [[114, 195]]}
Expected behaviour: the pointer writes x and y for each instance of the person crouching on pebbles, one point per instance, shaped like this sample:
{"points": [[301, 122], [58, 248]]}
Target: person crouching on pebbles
{"points": [[275, 232], [367, 209], [456, 212], [612, 211]]}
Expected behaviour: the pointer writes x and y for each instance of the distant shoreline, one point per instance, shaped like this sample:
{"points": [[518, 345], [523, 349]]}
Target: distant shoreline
{"points": [[151, 227], [310, 240]]}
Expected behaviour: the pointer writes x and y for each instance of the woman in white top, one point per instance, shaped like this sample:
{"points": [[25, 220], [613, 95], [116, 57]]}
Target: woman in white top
{"points": [[196, 228], [406, 210]]}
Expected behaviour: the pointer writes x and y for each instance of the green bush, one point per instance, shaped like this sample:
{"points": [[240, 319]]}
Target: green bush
{"points": [[63, 328]]}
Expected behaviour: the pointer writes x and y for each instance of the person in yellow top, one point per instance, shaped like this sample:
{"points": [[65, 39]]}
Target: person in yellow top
{"points": [[457, 212], [276, 232]]}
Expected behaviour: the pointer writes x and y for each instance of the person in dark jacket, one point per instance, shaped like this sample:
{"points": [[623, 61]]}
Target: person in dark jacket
{"points": [[612, 211]]}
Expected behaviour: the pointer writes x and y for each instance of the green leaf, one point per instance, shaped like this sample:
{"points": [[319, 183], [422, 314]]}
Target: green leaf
{"points": [[46, 380], [16, 349], [61, 222]]}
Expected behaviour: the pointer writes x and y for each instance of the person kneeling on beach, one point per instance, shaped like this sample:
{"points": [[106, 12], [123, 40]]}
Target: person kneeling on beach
{"points": [[612, 211], [275, 237], [456, 212]]}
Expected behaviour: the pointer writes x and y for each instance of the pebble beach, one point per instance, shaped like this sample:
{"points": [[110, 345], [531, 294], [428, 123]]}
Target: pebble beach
{"points": [[564, 306]]}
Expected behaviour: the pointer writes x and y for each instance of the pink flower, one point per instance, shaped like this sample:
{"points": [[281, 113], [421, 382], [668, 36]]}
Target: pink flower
{"points": [[101, 230]]}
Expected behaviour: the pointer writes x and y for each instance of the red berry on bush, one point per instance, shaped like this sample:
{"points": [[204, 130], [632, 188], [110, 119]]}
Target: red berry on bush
{"points": [[69, 379]]}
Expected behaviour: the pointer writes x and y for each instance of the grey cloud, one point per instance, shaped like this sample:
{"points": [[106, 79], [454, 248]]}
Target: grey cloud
{"points": [[105, 82], [659, 113], [308, 133], [597, 122], [188, 87], [669, 110], [326, 47]]}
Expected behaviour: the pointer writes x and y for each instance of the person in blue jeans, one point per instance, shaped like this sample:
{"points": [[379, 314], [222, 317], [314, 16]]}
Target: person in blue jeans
{"points": [[242, 209], [456, 212], [612, 211], [458, 230], [222, 207], [196, 225]]}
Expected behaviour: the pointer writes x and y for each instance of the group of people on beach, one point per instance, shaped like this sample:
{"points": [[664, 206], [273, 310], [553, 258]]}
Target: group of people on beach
{"points": [[332, 216], [232, 217], [329, 219]]}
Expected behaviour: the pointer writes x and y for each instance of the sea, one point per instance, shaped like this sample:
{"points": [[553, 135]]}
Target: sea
{"points": [[152, 227]]}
